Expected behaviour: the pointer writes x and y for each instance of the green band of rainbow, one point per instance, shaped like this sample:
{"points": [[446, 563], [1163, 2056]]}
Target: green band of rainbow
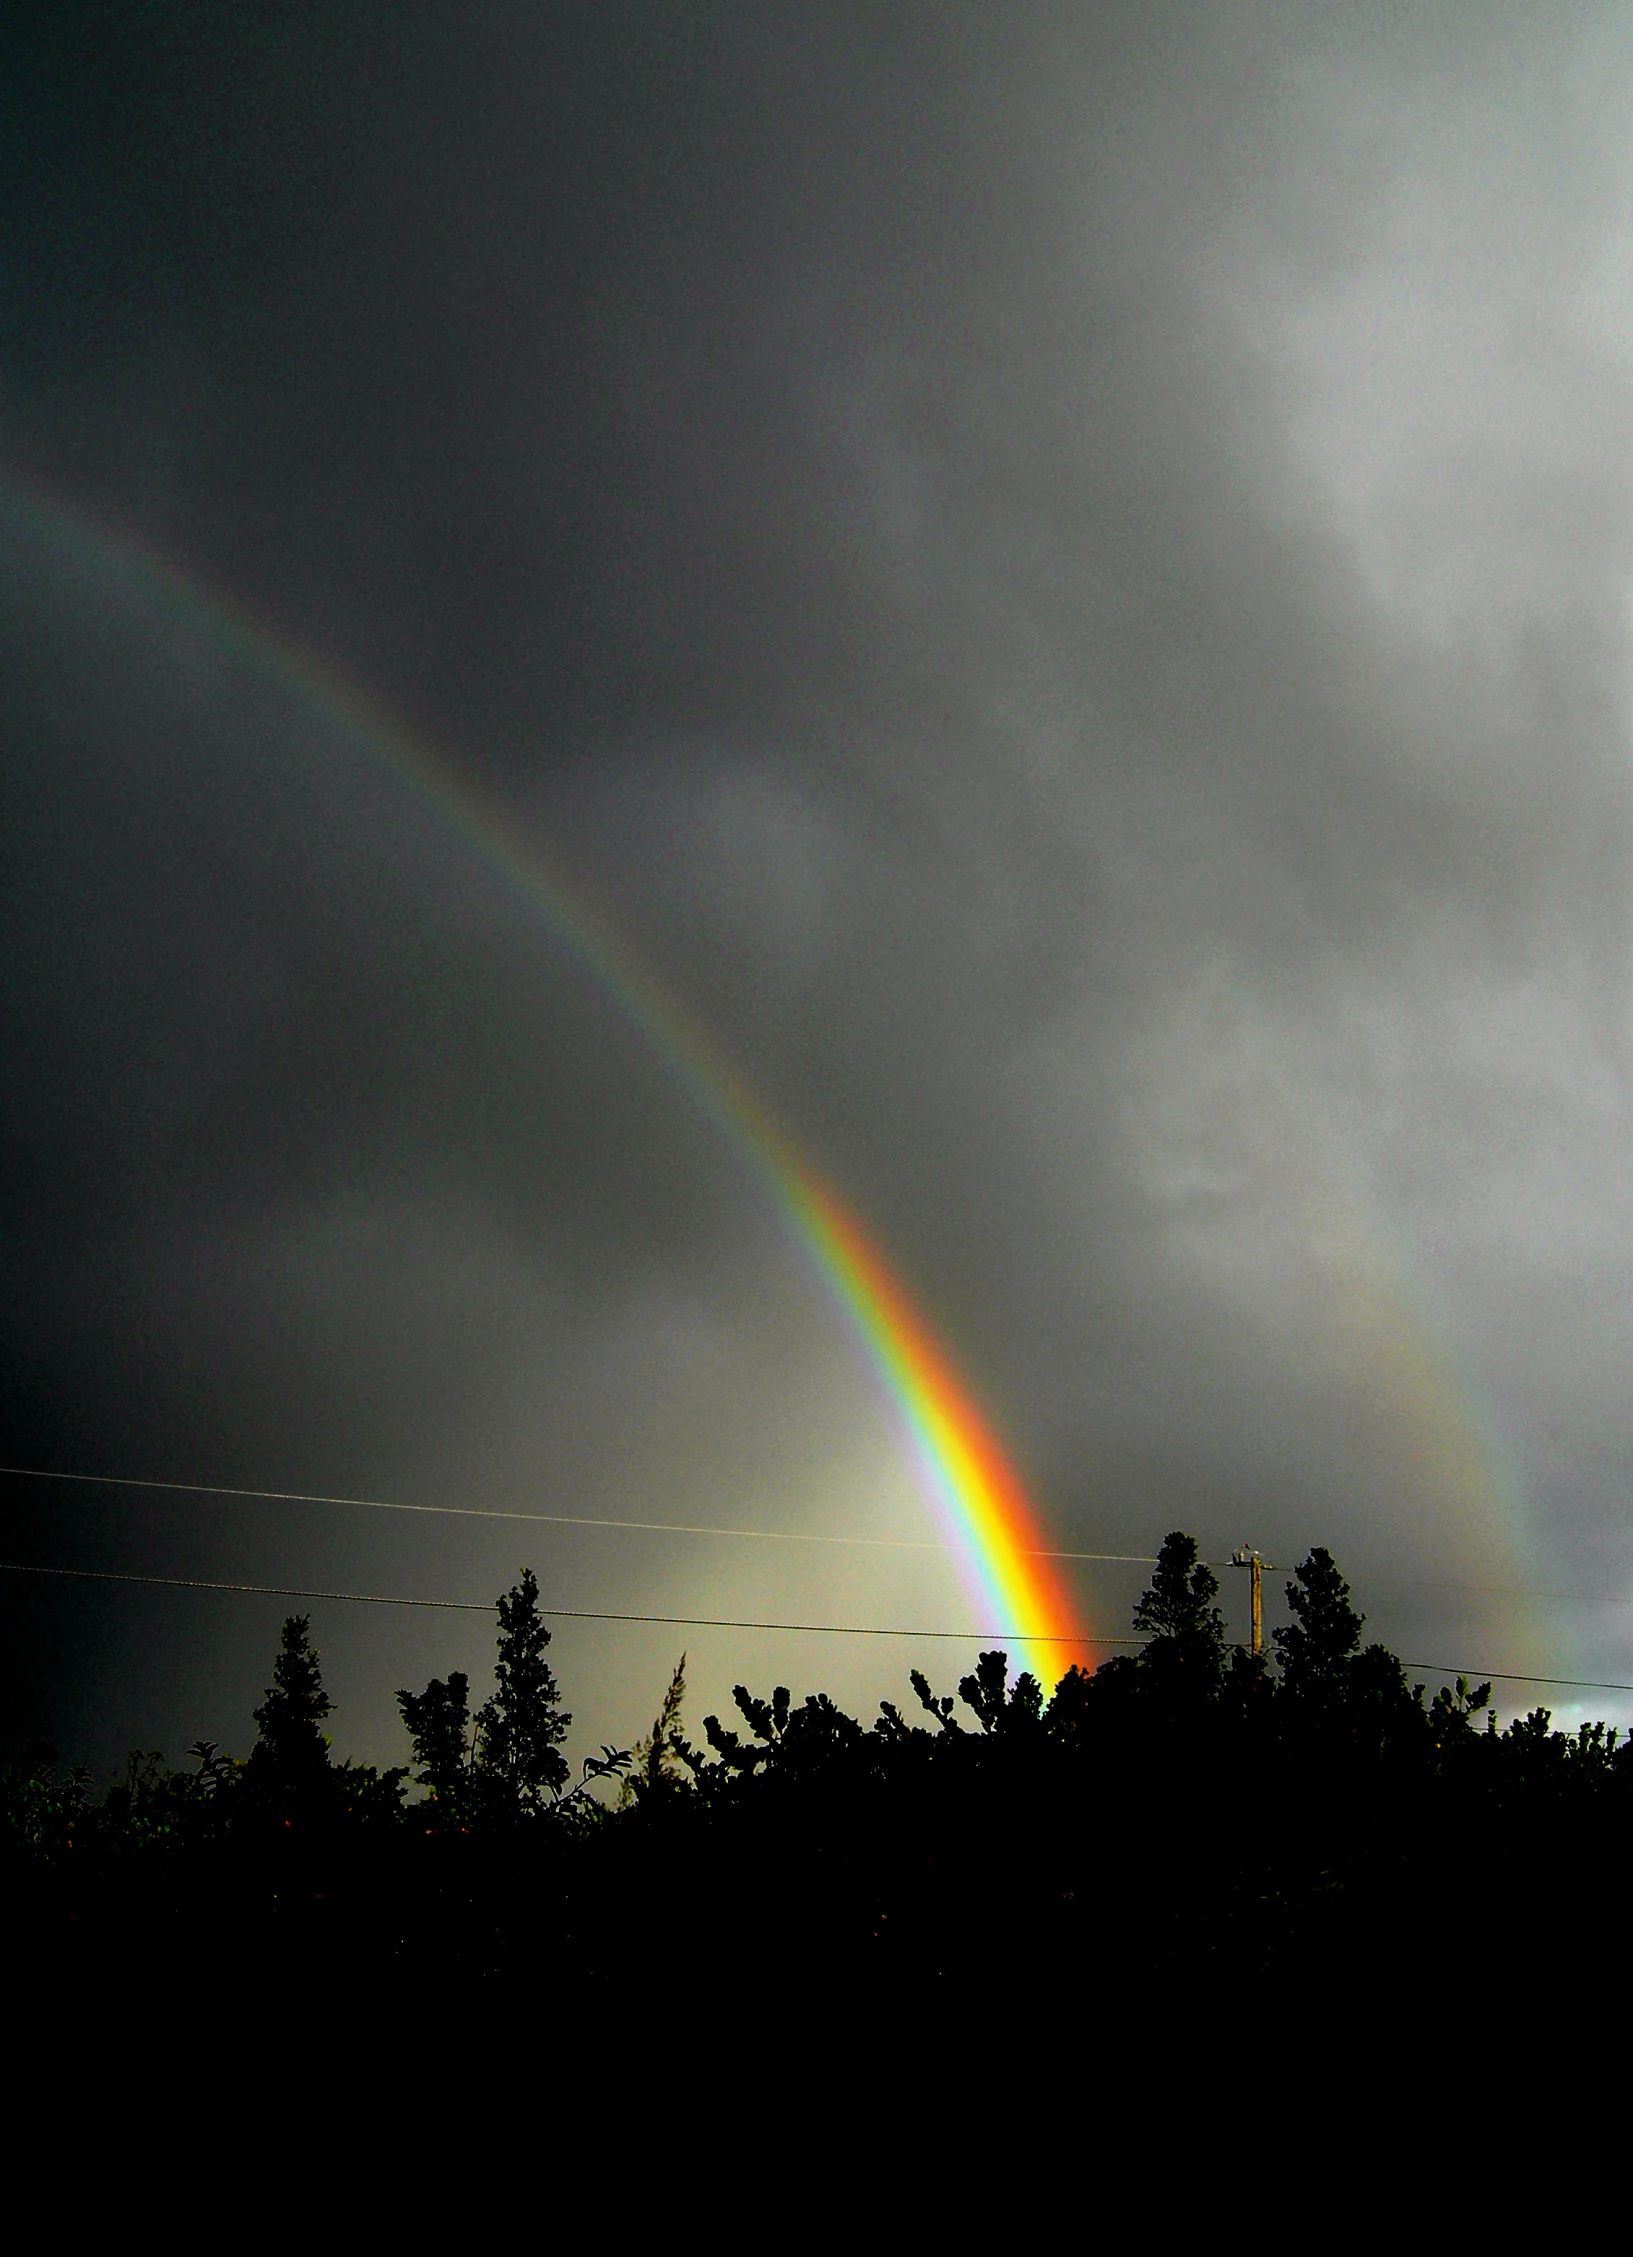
{"points": [[980, 1505]]}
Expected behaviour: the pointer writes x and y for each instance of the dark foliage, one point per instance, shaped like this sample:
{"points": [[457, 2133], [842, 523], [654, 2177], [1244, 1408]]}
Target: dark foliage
{"points": [[520, 1730], [1316, 1650], [293, 1747], [1186, 1840], [1185, 1658], [437, 1722]]}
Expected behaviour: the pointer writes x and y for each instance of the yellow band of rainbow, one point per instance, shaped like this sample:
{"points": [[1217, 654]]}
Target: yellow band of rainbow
{"points": [[980, 1505]]}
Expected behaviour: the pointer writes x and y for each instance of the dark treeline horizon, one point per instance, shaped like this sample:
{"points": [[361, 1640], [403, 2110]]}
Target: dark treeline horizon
{"points": [[18, 1739], [1185, 1833]]}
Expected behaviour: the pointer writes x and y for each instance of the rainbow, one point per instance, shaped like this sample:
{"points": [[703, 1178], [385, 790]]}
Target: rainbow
{"points": [[979, 1503], [1001, 1549]]}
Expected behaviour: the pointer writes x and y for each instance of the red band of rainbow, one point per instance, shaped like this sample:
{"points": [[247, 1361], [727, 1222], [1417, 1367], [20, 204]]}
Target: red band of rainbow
{"points": [[980, 1504]]}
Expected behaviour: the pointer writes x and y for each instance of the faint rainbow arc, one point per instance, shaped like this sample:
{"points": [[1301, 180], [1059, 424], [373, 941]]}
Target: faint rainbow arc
{"points": [[978, 1499]]}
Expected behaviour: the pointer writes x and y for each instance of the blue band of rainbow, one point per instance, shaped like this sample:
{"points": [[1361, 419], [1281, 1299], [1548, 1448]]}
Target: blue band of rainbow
{"points": [[979, 1503]]}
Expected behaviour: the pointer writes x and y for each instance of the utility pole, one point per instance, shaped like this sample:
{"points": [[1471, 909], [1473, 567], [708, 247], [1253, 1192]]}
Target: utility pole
{"points": [[1245, 1556]]}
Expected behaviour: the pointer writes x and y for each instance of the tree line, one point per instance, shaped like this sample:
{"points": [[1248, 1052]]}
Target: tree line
{"points": [[1188, 1823]]}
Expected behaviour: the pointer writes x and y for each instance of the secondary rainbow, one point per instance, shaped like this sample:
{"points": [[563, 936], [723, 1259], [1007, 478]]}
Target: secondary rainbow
{"points": [[980, 1505]]}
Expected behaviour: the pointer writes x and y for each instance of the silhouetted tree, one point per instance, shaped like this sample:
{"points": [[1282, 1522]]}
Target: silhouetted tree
{"points": [[766, 1719], [788, 1741], [1248, 1689], [1317, 1647], [998, 1706], [41, 1804], [1070, 1705], [520, 1730], [818, 1733], [940, 1706], [438, 1725], [656, 1763], [1382, 1702], [1452, 1714], [293, 1747], [1185, 1651], [1294, 1826]]}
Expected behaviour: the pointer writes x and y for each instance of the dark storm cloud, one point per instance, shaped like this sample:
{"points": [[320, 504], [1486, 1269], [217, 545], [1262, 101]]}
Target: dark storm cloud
{"points": [[1065, 571]]}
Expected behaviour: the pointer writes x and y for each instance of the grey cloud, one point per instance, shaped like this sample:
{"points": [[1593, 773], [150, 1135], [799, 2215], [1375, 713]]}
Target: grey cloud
{"points": [[1066, 578]]}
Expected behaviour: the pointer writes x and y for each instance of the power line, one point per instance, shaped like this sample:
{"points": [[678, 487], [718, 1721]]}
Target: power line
{"points": [[763, 1535], [702, 1528], [259, 1590], [553, 1520], [721, 1622], [1516, 1677], [564, 1614]]}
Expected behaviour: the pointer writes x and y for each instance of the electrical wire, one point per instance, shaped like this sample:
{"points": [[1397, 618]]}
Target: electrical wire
{"points": [[553, 1520], [685, 1528], [564, 1614], [719, 1622], [703, 1528], [1515, 1677]]}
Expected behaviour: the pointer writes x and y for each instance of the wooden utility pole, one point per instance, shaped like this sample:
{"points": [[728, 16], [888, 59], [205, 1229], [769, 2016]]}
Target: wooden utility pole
{"points": [[1245, 1556]]}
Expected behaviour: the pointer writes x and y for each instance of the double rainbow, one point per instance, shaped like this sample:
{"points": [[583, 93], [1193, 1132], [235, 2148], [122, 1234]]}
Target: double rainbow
{"points": [[980, 1506]]}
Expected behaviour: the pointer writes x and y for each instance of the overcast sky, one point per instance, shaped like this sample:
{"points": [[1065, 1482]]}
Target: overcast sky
{"points": [[1062, 573]]}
